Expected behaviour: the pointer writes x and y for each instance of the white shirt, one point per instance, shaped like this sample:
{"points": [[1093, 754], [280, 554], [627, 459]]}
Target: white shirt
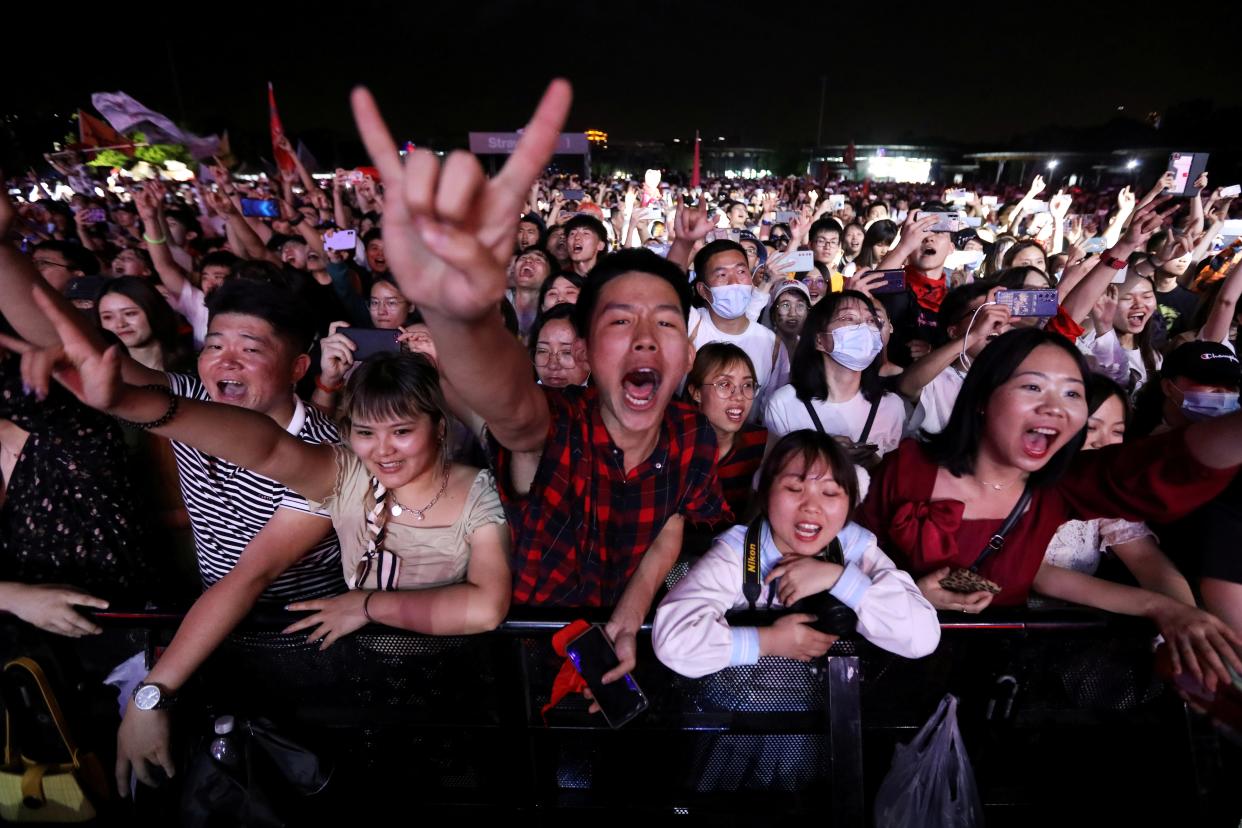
{"points": [[787, 413], [936, 402], [192, 304], [1114, 360]]}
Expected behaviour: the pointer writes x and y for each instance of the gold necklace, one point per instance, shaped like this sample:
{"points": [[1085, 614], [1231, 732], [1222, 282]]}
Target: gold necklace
{"points": [[1000, 487]]}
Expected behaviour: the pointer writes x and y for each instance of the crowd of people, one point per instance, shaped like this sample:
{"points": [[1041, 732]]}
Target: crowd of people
{"points": [[417, 396]]}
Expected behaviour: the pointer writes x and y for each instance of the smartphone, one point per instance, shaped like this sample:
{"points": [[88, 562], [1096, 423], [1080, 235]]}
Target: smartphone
{"points": [[957, 196], [894, 281], [1232, 227], [1186, 167], [725, 234], [947, 222], [573, 195], [988, 201], [802, 261], [1037, 206], [340, 240], [1096, 244], [260, 207], [95, 215], [592, 656], [785, 216], [372, 341], [1232, 191], [836, 201], [972, 221], [1041, 303]]}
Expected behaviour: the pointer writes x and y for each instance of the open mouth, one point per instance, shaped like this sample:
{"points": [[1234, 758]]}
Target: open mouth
{"points": [[1137, 320], [230, 390], [735, 414], [391, 467], [639, 387], [1036, 442], [928, 251], [807, 532]]}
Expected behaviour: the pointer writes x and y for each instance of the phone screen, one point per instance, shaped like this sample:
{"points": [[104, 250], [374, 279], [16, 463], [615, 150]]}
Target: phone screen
{"points": [[340, 240], [592, 655], [260, 207], [372, 341]]}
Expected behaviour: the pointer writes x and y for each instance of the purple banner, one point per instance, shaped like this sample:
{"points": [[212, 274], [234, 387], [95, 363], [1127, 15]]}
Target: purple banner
{"points": [[503, 143]]}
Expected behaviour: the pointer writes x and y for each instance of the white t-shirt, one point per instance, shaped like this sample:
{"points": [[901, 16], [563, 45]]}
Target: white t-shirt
{"points": [[787, 413], [1115, 361], [760, 344], [936, 402]]}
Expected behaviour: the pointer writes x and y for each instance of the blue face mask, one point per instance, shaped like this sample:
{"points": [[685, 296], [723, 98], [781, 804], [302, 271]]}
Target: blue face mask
{"points": [[1204, 405], [730, 301]]}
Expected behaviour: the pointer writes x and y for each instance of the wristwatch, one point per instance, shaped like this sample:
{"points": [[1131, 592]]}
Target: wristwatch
{"points": [[1114, 262], [149, 696]]}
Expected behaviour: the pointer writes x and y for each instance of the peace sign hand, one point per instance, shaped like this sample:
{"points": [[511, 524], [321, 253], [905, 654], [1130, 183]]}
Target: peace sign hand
{"points": [[448, 233]]}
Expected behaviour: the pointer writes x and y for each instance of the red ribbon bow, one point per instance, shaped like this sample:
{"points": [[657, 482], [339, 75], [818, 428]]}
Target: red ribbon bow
{"points": [[926, 531]]}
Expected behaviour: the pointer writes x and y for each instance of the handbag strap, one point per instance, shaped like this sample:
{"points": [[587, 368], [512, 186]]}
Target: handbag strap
{"points": [[997, 541], [866, 432], [49, 698], [810, 409]]}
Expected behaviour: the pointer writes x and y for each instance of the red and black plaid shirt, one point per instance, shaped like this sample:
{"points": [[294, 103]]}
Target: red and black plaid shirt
{"points": [[736, 469], [585, 525]]}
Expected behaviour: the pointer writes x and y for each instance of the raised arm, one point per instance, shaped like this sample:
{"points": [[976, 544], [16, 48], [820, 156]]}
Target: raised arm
{"points": [[150, 210], [448, 235], [1224, 307], [243, 437]]}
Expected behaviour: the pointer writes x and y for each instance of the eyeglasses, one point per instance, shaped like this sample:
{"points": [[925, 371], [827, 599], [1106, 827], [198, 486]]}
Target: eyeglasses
{"points": [[725, 388], [543, 356], [785, 306], [41, 264], [826, 243], [387, 304]]}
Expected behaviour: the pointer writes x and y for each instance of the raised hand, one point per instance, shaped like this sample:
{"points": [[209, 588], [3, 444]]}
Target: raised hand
{"points": [[693, 224], [1037, 187], [91, 375], [1147, 221], [448, 232], [1125, 200], [1059, 204]]}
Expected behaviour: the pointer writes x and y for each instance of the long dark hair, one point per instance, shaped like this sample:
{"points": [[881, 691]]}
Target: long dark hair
{"points": [[174, 346], [957, 447], [806, 372]]}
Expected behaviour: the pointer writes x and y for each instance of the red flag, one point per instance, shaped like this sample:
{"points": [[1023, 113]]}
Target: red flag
{"points": [[94, 133], [284, 159], [694, 172], [850, 155]]}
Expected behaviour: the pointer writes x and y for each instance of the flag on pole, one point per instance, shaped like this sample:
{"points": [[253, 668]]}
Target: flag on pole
{"points": [[96, 134], [284, 159], [127, 115], [694, 172]]}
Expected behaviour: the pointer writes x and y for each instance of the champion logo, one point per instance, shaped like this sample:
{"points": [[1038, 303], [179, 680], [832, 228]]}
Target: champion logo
{"points": [[1229, 357]]}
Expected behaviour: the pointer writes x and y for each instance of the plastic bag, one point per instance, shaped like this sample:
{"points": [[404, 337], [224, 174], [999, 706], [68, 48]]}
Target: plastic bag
{"points": [[931, 784]]}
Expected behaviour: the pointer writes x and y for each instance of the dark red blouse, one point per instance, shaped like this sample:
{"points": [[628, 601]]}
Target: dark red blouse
{"points": [[1153, 479]]}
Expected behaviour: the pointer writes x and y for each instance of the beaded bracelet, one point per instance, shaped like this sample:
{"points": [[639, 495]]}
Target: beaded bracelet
{"points": [[173, 402]]}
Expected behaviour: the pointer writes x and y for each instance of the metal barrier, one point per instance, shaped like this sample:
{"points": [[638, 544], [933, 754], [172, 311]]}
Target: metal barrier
{"points": [[456, 720]]}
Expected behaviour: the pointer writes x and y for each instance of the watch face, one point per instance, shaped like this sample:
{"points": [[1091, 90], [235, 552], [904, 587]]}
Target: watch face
{"points": [[147, 697]]}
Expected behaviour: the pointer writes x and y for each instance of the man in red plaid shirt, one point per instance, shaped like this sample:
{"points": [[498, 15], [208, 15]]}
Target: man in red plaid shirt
{"points": [[599, 481]]}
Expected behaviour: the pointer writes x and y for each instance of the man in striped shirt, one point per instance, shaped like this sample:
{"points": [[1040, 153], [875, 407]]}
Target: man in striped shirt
{"points": [[254, 538]]}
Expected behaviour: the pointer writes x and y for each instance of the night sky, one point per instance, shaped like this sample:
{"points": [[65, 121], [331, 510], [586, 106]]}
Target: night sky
{"points": [[745, 71]]}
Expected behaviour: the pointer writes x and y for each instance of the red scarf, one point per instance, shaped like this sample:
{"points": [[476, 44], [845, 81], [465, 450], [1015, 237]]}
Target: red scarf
{"points": [[929, 292]]}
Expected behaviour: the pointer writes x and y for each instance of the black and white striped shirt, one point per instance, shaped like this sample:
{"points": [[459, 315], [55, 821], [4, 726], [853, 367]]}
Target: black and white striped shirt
{"points": [[228, 505]]}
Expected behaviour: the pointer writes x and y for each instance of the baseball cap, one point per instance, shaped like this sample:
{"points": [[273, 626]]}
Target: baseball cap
{"points": [[1206, 363]]}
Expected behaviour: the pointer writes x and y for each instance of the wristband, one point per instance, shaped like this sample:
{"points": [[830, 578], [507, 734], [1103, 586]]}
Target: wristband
{"points": [[365, 607], [296, 220], [1114, 262], [150, 240], [327, 389]]}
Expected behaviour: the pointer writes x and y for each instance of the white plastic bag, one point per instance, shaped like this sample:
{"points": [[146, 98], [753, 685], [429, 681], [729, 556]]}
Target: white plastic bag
{"points": [[931, 784]]}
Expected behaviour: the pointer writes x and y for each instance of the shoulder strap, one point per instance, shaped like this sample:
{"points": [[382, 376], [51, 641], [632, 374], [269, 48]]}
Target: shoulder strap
{"points": [[752, 587], [997, 541], [875, 406], [776, 352], [810, 409], [49, 699], [695, 330]]}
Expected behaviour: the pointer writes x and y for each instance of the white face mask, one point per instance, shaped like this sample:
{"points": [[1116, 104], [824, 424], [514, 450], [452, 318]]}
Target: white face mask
{"points": [[730, 301], [856, 346]]}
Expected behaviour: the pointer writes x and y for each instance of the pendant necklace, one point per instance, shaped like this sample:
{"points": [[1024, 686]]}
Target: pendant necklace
{"points": [[398, 508]]}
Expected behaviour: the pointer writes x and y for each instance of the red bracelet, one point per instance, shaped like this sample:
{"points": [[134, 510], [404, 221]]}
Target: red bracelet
{"points": [[326, 388]]}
